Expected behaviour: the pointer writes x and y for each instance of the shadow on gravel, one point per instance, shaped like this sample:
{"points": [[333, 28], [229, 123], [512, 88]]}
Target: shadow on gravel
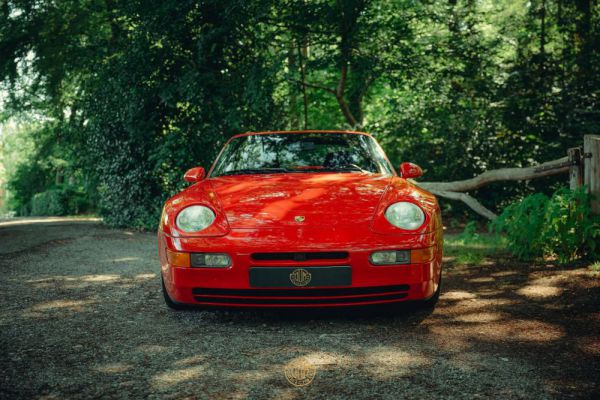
{"points": [[82, 316], [366, 314]]}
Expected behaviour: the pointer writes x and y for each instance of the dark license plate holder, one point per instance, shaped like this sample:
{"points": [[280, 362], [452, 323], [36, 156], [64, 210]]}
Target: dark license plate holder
{"points": [[297, 276]]}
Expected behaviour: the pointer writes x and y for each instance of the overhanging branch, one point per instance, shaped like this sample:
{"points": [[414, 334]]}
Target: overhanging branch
{"points": [[453, 190], [314, 86], [469, 201], [504, 174]]}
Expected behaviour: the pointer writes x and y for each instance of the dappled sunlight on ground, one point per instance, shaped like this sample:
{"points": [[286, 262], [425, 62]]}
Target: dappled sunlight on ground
{"points": [[458, 295], [113, 368], [125, 259], [177, 376], [143, 277], [590, 345], [45, 220], [504, 273], [481, 317], [193, 360], [499, 331], [387, 362], [483, 279], [539, 291], [71, 305], [80, 282], [57, 308]]}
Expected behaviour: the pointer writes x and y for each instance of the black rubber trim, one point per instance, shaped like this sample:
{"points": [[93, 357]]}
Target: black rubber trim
{"points": [[301, 292], [342, 300], [301, 256]]}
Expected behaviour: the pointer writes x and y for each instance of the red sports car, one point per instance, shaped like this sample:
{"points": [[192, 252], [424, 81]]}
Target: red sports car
{"points": [[301, 219]]}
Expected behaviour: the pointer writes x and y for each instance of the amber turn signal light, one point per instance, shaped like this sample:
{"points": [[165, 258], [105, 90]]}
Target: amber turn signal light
{"points": [[418, 256], [177, 259]]}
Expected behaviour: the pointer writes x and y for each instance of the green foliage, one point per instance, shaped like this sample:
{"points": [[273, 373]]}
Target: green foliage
{"points": [[469, 233], [570, 230], [63, 200], [43, 176], [131, 94], [561, 226], [469, 258], [523, 223], [471, 247], [49, 202]]}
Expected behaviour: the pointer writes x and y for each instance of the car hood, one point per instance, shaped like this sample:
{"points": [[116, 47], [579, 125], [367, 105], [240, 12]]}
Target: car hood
{"points": [[300, 199]]}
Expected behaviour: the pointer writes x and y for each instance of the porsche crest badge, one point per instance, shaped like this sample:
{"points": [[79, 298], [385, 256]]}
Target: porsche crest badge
{"points": [[300, 277]]}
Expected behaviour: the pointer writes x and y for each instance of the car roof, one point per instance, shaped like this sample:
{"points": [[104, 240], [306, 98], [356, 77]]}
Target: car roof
{"points": [[296, 132]]}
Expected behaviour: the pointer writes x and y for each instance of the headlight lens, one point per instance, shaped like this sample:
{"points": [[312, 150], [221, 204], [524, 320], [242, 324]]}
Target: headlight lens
{"points": [[195, 218], [405, 215]]}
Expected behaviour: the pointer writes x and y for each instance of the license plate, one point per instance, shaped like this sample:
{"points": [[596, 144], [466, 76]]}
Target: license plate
{"points": [[300, 276]]}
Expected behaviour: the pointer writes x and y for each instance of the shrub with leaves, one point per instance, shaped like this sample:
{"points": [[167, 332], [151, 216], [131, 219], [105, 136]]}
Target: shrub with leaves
{"points": [[570, 230], [50, 202], [561, 226], [469, 234], [60, 200]]}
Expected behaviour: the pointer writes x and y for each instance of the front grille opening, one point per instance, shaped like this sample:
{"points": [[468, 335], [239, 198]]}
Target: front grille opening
{"points": [[301, 296], [301, 256], [306, 301], [301, 292]]}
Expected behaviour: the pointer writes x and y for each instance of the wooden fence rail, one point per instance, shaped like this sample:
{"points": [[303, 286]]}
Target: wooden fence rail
{"points": [[589, 158]]}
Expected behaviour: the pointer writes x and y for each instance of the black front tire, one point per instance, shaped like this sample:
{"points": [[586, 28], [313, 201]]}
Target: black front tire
{"points": [[170, 303]]}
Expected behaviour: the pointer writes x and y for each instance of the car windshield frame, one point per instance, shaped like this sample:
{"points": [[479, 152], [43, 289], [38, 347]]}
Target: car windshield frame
{"points": [[356, 153]]}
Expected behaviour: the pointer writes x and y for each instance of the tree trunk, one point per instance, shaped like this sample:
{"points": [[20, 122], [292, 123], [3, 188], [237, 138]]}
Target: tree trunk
{"points": [[542, 38], [583, 27], [591, 150], [291, 61], [301, 55]]}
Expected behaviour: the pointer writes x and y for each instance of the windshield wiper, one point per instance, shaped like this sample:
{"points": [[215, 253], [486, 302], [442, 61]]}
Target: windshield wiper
{"points": [[250, 171], [348, 168]]}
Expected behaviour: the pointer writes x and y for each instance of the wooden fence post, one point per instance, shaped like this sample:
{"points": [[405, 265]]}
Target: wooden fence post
{"points": [[591, 170], [576, 169]]}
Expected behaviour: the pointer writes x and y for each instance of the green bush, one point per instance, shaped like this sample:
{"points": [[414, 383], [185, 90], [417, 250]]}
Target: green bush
{"points": [[561, 226], [523, 222], [469, 234], [61, 200], [50, 202]]}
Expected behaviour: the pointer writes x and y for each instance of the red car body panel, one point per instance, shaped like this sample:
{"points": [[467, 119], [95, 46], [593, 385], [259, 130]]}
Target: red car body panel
{"points": [[342, 213]]}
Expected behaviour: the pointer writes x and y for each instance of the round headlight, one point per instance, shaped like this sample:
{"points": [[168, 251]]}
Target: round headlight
{"points": [[195, 218], [405, 215]]}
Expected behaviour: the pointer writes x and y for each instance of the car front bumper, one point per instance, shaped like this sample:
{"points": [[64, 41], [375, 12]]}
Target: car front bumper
{"points": [[370, 284]]}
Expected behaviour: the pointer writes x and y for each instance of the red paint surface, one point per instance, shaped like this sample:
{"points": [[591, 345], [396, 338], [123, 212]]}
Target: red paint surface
{"points": [[343, 212]]}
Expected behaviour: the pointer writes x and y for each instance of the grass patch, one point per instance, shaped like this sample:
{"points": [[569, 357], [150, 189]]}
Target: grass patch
{"points": [[595, 266], [469, 258], [473, 248]]}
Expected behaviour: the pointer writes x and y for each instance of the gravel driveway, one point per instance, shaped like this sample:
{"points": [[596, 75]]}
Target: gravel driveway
{"points": [[82, 316]]}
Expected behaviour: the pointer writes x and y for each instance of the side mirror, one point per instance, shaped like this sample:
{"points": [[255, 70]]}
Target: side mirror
{"points": [[195, 174], [410, 170]]}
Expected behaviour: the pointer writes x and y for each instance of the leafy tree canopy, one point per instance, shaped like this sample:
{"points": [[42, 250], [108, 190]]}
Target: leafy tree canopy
{"points": [[132, 93]]}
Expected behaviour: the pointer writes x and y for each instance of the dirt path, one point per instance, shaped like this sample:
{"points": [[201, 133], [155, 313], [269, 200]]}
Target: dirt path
{"points": [[82, 316]]}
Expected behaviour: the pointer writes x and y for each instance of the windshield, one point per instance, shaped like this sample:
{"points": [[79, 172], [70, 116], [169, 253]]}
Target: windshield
{"points": [[301, 152]]}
